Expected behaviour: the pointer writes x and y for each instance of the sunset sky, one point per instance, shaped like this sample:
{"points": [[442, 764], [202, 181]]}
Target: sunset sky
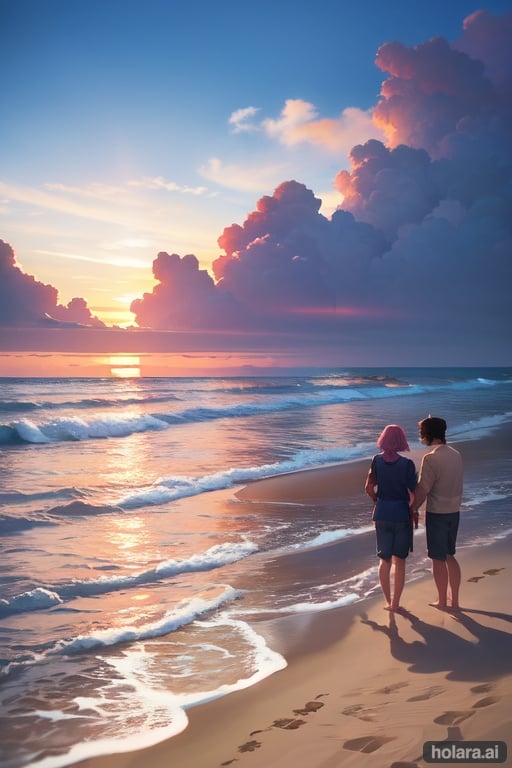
{"points": [[223, 136]]}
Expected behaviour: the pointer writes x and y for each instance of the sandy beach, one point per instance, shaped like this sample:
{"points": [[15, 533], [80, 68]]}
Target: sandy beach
{"points": [[363, 687]]}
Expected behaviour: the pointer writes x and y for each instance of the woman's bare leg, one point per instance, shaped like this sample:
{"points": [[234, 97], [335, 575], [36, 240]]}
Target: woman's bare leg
{"points": [[398, 581], [385, 579]]}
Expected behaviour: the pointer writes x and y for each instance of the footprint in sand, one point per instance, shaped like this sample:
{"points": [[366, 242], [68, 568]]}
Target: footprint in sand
{"points": [[401, 764], [288, 723], [361, 712], [391, 688], [309, 706], [436, 690], [482, 688], [487, 702], [367, 743], [453, 717], [488, 572], [249, 746]]}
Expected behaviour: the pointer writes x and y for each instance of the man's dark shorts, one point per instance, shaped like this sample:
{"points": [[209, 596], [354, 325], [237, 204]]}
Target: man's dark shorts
{"points": [[393, 538], [441, 534]]}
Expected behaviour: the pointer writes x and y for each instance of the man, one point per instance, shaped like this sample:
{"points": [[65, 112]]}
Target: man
{"points": [[440, 483]]}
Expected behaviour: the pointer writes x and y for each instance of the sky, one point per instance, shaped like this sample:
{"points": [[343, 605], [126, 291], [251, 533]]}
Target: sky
{"points": [[248, 187]]}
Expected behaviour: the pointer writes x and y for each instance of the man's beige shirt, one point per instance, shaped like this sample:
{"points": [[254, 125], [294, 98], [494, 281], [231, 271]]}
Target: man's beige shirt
{"points": [[440, 480]]}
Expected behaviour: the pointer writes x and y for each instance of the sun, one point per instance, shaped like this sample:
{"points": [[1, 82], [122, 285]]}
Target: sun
{"points": [[125, 367]]}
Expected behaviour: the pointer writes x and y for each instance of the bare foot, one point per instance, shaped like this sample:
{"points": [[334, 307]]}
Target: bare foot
{"points": [[450, 608], [440, 606], [395, 608]]}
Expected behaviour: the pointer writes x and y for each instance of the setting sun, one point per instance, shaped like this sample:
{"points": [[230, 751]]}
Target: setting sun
{"points": [[124, 367]]}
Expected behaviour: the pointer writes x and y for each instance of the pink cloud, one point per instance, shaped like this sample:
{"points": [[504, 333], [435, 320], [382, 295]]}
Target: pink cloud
{"points": [[185, 297], [24, 300], [77, 311], [291, 203], [436, 91], [388, 188], [299, 122]]}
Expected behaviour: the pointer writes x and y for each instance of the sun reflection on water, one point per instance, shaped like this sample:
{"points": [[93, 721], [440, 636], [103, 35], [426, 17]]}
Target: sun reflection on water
{"points": [[129, 532]]}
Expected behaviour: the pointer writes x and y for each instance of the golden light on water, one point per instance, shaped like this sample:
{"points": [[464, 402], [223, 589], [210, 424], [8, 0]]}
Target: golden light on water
{"points": [[127, 534]]}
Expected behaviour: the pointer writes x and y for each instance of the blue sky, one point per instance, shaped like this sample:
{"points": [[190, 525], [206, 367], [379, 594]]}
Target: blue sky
{"points": [[136, 126]]}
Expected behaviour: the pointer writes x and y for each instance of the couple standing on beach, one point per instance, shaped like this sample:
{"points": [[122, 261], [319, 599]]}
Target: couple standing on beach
{"points": [[398, 493]]}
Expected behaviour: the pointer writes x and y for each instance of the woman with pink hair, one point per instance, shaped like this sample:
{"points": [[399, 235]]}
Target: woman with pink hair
{"points": [[390, 483]]}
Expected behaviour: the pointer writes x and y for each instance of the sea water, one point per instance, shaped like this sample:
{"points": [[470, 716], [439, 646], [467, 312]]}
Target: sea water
{"points": [[134, 582]]}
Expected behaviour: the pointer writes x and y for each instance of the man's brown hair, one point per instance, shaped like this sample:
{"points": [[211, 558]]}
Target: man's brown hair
{"points": [[433, 428]]}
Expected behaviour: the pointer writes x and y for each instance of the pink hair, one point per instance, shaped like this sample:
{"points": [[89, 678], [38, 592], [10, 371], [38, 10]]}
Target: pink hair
{"points": [[393, 438]]}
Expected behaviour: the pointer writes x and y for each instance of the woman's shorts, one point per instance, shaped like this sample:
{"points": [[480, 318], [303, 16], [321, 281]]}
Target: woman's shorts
{"points": [[441, 534], [393, 538]]}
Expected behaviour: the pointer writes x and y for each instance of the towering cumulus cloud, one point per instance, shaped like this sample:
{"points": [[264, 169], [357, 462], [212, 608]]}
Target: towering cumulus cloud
{"points": [[441, 191], [273, 264], [423, 231], [185, 297], [24, 300]]}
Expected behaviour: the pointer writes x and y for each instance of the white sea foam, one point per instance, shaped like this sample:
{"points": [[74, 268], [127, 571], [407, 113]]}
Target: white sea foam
{"points": [[328, 537], [504, 534], [160, 717], [476, 428], [161, 712], [214, 557], [184, 613], [173, 488], [32, 600], [109, 425], [324, 597], [30, 432], [326, 605], [483, 497], [341, 593], [264, 661]]}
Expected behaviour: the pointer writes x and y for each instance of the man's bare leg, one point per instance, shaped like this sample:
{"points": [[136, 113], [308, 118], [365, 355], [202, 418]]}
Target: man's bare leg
{"points": [[454, 579], [440, 574]]}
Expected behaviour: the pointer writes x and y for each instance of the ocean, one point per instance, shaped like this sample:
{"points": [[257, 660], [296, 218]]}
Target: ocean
{"points": [[135, 584]]}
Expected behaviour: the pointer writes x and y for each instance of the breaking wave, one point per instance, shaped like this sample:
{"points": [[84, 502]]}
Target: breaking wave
{"points": [[116, 425]]}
